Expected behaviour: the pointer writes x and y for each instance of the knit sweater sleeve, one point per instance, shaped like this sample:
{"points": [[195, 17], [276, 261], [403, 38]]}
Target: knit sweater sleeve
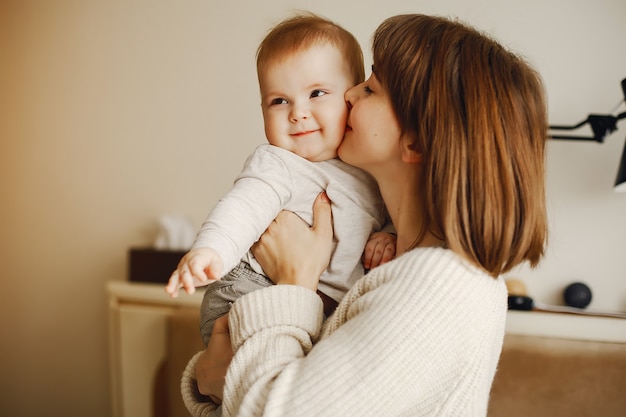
{"points": [[418, 336]]}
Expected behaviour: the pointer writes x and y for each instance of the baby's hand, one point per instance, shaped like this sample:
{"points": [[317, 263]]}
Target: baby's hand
{"points": [[197, 268], [380, 248]]}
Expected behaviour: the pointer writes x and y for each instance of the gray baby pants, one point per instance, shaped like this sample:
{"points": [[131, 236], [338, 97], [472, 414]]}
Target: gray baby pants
{"points": [[220, 295]]}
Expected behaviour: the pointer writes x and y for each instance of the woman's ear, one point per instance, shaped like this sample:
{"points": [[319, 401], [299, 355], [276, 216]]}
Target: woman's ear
{"points": [[409, 154]]}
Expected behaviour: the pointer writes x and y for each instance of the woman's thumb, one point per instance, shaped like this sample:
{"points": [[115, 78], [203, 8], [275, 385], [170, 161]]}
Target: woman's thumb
{"points": [[322, 215]]}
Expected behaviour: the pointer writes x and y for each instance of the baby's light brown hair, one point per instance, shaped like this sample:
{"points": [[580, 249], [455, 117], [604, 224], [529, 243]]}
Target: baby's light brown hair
{"points": [[304, 30]]}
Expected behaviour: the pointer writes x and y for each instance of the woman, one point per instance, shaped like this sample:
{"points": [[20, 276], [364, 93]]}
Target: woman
{"points": [[453, 128]]}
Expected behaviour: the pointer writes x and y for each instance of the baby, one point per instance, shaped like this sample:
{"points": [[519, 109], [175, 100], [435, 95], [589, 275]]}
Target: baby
{"points": [[305, 64]]}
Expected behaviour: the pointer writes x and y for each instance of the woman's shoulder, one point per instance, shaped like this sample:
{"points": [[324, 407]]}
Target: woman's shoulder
{"points": [[430, 262], [421, 288], [431, 276]]}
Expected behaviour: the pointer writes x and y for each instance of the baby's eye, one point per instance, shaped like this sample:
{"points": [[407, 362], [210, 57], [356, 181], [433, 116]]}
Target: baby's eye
{"points": [[317, 93], [278, 101]]}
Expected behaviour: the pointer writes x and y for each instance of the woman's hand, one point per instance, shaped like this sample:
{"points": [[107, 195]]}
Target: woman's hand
{"points": [[291, 252], [213, 362]]}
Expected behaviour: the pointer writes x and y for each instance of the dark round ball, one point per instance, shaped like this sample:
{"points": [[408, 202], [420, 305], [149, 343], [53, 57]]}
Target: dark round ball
{"points": [[577, 295]]}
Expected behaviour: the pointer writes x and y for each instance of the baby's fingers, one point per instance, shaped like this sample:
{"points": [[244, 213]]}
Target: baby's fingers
{"points": [[186, 281], [388, 253], [197, 272], [368, 252], [376, 255], [378, 251], [173, 285]]}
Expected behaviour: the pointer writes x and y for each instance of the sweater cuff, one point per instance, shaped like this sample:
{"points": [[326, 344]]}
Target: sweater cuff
{"points": [[278, 305]]}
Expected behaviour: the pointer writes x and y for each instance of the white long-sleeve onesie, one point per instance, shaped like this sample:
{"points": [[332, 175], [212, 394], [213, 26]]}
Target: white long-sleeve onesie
{"points": [[274, 179]]}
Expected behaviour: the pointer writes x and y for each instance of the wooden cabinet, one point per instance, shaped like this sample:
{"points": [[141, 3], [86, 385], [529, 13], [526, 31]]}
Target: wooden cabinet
{"points": [[138, 332]]}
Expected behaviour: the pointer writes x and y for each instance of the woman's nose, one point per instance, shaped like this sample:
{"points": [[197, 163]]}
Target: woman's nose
{"points": [[351, 96]]}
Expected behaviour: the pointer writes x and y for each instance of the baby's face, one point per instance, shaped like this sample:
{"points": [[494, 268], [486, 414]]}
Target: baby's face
{"points": [[303, 103]]}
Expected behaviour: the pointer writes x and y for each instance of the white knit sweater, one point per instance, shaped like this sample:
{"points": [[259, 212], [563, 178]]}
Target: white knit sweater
{"points": [[418, 336]]}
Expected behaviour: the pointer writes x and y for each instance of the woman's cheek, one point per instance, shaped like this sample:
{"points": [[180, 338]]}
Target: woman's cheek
{"points": [[344, 150]]}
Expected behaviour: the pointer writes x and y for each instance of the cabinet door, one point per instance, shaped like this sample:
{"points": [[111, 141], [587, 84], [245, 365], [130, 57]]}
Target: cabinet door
{"points": [[139, 348]]}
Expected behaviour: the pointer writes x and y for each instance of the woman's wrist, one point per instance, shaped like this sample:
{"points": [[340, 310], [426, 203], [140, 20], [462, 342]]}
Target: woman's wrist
{"points": [[298, 277], [277, 305]]}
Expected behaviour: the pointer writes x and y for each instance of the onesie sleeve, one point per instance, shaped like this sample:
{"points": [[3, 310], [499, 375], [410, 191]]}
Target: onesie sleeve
{"points": [[240, 217]]}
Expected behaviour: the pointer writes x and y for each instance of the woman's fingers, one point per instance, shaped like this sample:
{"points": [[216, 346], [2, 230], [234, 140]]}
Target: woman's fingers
{"points": [[322, 215], [292, 252]]}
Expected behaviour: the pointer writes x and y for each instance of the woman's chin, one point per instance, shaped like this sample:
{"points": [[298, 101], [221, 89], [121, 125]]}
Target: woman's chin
{"points": [[343, 155]]}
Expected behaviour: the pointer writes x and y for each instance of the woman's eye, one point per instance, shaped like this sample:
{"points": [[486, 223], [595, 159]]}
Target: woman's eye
{"points": [[278, 101], [367, 90], [317, 93]]}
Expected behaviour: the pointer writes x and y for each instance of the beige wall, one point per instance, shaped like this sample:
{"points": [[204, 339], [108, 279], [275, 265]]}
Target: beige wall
{"points": [[114, 113]]}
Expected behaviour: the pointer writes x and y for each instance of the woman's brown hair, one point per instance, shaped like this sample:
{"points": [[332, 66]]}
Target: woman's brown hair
{"points": [[303, 30], [479, 117]]}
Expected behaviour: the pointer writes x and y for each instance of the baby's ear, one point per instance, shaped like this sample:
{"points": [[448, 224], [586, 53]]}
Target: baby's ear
{"points": [[409, 154]]}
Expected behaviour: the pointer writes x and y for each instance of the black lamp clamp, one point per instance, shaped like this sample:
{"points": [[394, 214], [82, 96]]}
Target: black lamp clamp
{"points": [[601, 126]]}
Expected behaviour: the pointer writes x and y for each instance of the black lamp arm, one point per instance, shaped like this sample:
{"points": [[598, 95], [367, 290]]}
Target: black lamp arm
{"points": [[601, 125]]}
